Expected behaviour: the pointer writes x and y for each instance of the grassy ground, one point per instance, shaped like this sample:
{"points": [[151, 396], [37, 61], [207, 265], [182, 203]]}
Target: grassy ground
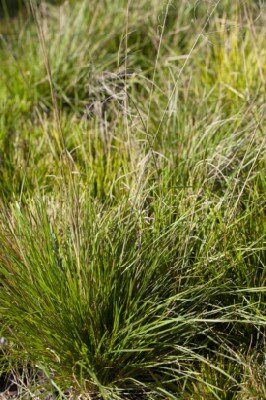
{"points": [[132, 196]]}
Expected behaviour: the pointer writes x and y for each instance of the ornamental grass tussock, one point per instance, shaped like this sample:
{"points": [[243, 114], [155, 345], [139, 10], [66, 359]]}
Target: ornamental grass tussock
{"points": [[132, 199]]}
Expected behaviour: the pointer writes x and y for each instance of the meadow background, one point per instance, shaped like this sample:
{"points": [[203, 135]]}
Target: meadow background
{"points": [[132, 197]]}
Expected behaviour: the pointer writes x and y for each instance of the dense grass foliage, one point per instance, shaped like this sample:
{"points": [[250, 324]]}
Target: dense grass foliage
{"points": [[132, 197]]}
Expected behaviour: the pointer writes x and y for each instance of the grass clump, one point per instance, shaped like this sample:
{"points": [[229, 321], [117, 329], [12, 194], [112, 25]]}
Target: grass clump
{"points": [[132, 192]]}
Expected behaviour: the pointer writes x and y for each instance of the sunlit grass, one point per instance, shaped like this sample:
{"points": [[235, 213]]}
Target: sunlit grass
{"points": [[132, 192]]}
